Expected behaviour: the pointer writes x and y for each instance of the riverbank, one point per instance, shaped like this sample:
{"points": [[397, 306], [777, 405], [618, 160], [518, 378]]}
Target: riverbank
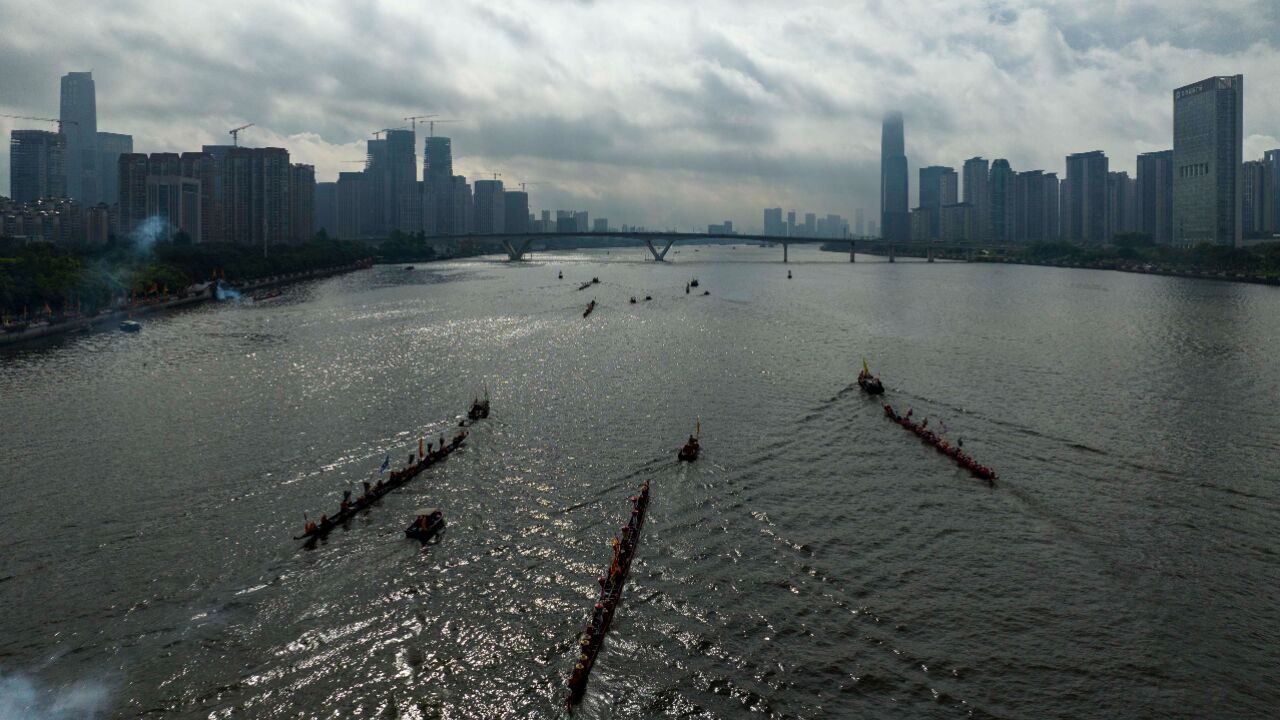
{"points": [[206, 293], [1140, 269]]}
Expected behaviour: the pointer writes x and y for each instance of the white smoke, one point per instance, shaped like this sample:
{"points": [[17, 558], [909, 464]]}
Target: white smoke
{"points": [[21, 699], [144, 236]]}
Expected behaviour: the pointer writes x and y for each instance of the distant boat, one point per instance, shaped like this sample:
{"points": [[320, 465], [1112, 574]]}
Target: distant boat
{"points": [[693, 282], [590, 306], [131, 326], [408, 267], [425, 525], [788, 274]]}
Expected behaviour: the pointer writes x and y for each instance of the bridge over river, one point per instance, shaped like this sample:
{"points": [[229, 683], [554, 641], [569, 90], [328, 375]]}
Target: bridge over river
{"points": [[518, 244]]}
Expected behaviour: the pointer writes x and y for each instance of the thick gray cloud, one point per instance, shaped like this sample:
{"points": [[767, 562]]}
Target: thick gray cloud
{"points": [[665, 113]]}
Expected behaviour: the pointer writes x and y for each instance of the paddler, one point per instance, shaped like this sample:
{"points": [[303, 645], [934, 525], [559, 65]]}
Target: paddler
{"points": [[309, 527]]}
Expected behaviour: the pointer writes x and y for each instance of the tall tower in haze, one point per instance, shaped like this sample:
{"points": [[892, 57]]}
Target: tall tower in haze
{"points": [[79, 116], [894, 221]]}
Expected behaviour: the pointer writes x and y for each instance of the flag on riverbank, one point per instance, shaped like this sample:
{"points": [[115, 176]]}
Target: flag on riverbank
{"points": [[386, 464]]}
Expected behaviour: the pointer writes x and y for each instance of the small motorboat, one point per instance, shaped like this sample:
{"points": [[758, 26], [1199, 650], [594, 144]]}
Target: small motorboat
{"points": [[425, 525], [131, 326], [590, 306], [647, 298], [706, 292], [633, 299], [693, 282], [788, 274], [560, 275]]}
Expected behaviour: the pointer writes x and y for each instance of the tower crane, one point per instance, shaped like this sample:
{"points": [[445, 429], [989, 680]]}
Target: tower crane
{"points": [[235, 134], [413, 121], [523, 184], [431, 126], [52, 120]]}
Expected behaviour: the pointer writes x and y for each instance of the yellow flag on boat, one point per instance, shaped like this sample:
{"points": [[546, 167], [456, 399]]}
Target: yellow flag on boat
{"points": [[865, 369], [697, 432]]}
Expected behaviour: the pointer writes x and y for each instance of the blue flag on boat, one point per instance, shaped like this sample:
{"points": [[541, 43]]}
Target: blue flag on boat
{"points": [[386, 463]]}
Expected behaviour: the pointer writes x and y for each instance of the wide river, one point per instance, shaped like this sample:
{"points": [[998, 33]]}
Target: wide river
{"points": [[816, 562]]}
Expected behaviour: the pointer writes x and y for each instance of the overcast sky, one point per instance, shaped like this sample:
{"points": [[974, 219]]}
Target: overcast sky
{"points": [[665, 114]]}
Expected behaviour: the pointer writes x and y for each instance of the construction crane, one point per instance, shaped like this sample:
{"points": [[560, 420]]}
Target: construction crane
{"points": [[496, 175], [235, 134], [522, 185], [431, 126], [378, 133], [413, 121], [52, 120]]}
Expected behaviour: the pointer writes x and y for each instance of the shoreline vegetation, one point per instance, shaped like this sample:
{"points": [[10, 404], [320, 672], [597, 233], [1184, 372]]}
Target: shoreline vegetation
{"points": [[1135, 253]]}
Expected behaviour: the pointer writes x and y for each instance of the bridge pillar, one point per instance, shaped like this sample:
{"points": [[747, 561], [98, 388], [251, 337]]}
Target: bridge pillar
{"points": [[784, 251], [851, 252], [659, 256], [516, 253], [890, 252]]}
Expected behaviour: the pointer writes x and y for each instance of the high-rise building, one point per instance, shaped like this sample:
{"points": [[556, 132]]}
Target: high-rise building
{"points": [[175, 201], [791, 223], [1257, 191], [1153, 204], [1121, 204], [773, 224], [1002, 202], [957, 222], [1085, 211], [580, 220], [437, 186], [545, 223], [110, 147], [810, 225], [600, 225], [873, 229], [37, 165], [325, 213], [1031, 214], [202, 166], [269, 197], [516, 207], [1208, 154], [349, 211], [937, 188], [302, 200], [894, 220], [490, 202], [402, 209], [978, 194], [133, 171], [1053, 207], [464, 212], [859, 222], [79, 116], [1272, 158]]}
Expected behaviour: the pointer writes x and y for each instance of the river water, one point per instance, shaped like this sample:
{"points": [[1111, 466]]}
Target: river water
{"points": [[817, 561]]}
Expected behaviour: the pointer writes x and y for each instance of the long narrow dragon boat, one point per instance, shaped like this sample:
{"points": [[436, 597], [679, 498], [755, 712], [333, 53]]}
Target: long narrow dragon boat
{"points": [[930, 438], [611, 585], [373, 493]]}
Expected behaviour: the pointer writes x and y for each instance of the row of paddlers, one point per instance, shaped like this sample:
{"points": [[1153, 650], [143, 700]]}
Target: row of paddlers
{"points": [[374, 491], [611, 584], [932, 439]]}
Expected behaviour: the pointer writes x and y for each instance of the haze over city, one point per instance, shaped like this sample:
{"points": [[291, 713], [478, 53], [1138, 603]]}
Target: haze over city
{"points": [[670, 115]]}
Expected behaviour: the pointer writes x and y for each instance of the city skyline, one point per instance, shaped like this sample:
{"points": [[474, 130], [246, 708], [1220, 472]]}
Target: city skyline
{"points": [[739, 121]]}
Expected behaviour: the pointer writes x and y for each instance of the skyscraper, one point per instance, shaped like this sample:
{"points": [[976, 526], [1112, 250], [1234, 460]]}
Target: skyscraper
{"points": [[1257, 191], [978, 194], [37, 165], [1153, 204], [773, 224], [350, 196], [895, 223], [201, 166], [132, 182], [302, 200], [859, 221], [324, 214], [1272, 158], [937, 188], [1001, 202], [110, 147], [1031, 212], [79, 116], [516, 209], [1120, 204], [437, 186], [1085, 213], [490, 207], [1208, 153]]}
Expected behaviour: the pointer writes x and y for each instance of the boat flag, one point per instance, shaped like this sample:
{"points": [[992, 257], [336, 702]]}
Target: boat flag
{"points": [[386, 464], [865, 369], [697, 431], [421, 454]]}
